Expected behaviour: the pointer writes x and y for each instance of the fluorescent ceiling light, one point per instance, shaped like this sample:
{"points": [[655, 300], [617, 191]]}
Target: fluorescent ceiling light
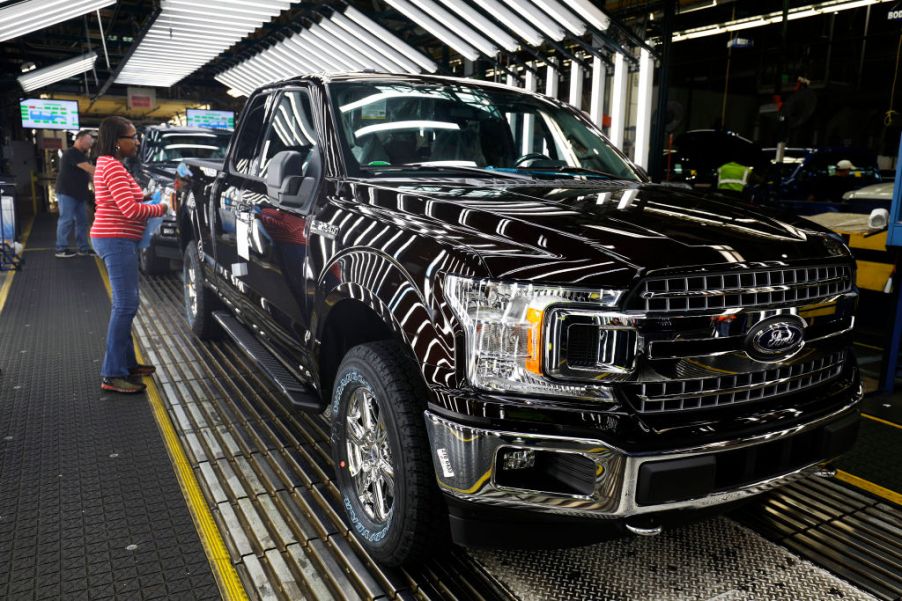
{"points": [[380, 44], [590, 13], [235, 93], [457, 27], [187, 34], [574, 24], [383, 61], [799, 12], [32, 15], [537, 18], [482, 24], [511, 21], [435, 28], [377, 30], [54, 73]]}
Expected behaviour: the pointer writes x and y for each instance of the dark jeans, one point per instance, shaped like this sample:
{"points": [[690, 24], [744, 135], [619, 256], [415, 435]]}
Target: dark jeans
{"points": [[73, 212], [120, 255]]}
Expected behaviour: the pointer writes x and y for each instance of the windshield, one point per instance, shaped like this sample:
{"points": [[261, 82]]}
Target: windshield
{"points": [[178, 146], [390, 126]]}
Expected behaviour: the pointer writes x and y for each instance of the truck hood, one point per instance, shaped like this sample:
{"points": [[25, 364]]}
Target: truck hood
{"points": [[601, 234]]}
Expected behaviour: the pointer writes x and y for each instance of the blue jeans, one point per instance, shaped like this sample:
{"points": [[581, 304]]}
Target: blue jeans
{"points": [[72, 213], [120, 255]]}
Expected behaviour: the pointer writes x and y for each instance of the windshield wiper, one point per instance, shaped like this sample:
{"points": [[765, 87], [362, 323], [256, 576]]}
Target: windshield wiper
{"points": [[586, 171], [448, 168]]}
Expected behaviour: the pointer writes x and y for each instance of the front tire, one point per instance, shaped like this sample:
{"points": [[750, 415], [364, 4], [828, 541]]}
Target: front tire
{"points": [[381, 451], [199, 300]]}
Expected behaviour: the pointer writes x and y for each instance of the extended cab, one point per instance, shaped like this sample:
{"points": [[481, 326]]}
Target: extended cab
{"points": [[518, 339], [163, 147]]}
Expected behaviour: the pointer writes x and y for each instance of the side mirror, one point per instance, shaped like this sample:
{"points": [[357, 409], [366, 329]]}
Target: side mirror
{"points": [[285, 179]]}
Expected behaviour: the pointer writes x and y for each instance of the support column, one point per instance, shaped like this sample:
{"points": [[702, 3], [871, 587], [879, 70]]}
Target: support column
{"points": [[643, 110], [618, 100], [576, 85]]}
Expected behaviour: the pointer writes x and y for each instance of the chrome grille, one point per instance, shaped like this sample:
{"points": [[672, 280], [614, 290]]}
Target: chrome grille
{"points": [[742, 289], [720, 391]]}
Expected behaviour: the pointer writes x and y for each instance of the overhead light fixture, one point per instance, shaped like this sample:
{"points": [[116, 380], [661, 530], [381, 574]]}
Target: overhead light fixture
{"points": [[188, 34], [336, 44], [590, 13], [234, 93], [537, 18], [511, 21], [465, 32], [406, 49], [799, 12], [29, 66], [559, 13], [25, 17], [54, 73], [435, 28], [482, 24]]}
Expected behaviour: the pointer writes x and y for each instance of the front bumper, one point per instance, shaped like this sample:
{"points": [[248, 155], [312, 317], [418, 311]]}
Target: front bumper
{"points": [[165, 243], [592, 478]]}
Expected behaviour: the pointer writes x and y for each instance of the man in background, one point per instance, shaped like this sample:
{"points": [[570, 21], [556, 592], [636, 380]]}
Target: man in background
{"points": [[72, 194]]}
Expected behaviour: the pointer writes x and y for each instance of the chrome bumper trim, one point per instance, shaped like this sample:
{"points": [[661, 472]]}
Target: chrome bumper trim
{"points": [[464, 458]]}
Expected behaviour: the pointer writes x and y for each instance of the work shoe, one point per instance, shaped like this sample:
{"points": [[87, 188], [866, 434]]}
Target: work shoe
{"points": [[122, 385], [142, 370], [87, 253], [64, 254]]}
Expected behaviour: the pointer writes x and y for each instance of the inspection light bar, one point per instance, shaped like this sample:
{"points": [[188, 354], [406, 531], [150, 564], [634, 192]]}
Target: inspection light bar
{"points": [[511, 21], [489, 29], [435, 28], [326, 47], [563, 16], [799, 12], [537, 18], [187, 34], [39, 78], [32, 15], [466, 33]]}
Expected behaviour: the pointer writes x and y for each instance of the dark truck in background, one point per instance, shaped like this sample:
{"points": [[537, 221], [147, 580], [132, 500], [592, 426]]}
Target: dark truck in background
{"points": [[517, 338], [163, 147]]}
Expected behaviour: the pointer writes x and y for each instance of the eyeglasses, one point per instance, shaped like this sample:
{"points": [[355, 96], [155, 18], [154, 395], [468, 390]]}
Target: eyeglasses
{"points": [[133, 138]]}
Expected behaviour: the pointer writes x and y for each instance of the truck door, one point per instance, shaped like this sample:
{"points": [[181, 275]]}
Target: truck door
{"points": [[278, 234], [226, 196]]}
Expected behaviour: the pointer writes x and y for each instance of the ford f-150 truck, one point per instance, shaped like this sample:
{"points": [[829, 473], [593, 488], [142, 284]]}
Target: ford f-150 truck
{"points": [[517, 337]]}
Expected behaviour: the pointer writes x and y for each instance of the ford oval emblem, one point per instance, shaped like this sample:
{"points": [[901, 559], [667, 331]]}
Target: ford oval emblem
{"points": [[775, 338]]}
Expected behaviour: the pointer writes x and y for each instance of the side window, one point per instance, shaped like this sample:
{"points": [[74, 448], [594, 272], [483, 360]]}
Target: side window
{"points": [[251, 129], [291, 128]]}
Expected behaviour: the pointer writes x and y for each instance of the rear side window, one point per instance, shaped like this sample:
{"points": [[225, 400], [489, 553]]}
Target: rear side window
{"points": [[249, 133], [290, 128]]}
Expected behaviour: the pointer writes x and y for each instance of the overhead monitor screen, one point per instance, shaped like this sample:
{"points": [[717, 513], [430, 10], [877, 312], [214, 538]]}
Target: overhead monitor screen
{"points": [[211, 119], [49, 114]]}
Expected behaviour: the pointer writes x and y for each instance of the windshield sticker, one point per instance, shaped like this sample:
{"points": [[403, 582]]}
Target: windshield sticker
{"points": [[373, 110]]}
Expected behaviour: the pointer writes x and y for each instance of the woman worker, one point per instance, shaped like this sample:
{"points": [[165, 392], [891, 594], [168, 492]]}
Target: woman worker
{"points": [[119, 221]]}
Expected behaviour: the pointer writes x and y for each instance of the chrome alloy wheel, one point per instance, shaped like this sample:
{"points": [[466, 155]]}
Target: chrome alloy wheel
{"points": [[369, 456], [190, 290]]}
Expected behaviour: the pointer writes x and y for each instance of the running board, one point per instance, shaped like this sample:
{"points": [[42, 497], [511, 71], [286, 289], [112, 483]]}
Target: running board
{"points": [[300, 395]]}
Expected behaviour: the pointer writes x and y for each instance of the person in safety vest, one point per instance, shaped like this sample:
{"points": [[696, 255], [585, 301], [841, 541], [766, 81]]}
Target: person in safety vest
{"points": [[732, 177]]}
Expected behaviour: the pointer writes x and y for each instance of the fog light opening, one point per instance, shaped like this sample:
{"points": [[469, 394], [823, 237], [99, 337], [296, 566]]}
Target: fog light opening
{"points": [[554, 472]]}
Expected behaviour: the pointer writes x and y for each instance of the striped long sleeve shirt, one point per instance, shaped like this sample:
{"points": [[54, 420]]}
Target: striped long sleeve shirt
{"points": [[119, 212]]}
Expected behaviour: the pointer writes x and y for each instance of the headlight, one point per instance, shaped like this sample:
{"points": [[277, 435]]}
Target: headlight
{"points": [[504, 325]]}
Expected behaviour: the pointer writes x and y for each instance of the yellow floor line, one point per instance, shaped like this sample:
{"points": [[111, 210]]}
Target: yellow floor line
{"points": [[882, 421], [870, 346], [8, 283], [869, 486], [210, 537]]}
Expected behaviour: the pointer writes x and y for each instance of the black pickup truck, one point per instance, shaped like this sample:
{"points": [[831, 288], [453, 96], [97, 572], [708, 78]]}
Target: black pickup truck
{"points": [[517, 338], [163, 147]]}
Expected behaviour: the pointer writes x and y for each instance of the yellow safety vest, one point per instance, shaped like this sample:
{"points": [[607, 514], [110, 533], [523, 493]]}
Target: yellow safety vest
{"points": [[732, 176]]}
